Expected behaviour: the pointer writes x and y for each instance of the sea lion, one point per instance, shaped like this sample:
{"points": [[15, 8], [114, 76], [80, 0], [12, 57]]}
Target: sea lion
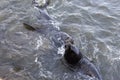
{"points": [[72, 54], [78, 61]]}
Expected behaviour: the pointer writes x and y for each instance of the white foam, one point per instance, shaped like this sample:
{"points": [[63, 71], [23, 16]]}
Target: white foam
{"points": [[61, 50], [56, 24], [40, 2], [39, 42], [36, 59]]}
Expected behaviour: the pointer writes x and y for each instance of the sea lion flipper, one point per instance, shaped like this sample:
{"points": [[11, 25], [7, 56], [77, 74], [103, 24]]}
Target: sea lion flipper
{"points": [[32, 26], [28, 26]]}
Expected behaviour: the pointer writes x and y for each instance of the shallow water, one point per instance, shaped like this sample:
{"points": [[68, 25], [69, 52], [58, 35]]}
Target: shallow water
{"points": [[28, 55]]}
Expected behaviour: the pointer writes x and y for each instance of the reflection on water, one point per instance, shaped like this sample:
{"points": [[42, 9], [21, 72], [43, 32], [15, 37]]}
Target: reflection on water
{"points": [[28, 55]]}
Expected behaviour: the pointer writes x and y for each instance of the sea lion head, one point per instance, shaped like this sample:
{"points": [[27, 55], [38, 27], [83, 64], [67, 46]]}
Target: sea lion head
{"points": [[72, 55]]}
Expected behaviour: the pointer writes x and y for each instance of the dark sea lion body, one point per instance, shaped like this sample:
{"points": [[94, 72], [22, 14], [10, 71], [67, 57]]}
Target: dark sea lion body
{"points": [[78, 61], [72, 54]]}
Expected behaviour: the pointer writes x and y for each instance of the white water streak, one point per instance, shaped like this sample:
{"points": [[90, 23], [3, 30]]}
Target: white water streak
{"points": [[61, 50], [39, 42]]}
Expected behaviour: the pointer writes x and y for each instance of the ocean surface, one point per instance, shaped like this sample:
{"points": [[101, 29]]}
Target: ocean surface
{"points": [[29, 55]]}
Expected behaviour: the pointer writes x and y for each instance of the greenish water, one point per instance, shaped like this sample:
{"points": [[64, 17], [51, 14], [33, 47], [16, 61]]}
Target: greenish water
{"points": [[28, 55]]}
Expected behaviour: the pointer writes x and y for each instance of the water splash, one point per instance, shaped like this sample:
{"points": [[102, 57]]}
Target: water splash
{"points": [[39, 42], [61, 50]]}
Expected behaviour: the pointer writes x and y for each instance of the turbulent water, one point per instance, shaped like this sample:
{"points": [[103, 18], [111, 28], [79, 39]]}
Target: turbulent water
{"points": [[28, 55]]}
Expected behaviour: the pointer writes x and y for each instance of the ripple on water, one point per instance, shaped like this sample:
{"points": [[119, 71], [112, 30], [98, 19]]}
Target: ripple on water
{"points": [[93, 24]]}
